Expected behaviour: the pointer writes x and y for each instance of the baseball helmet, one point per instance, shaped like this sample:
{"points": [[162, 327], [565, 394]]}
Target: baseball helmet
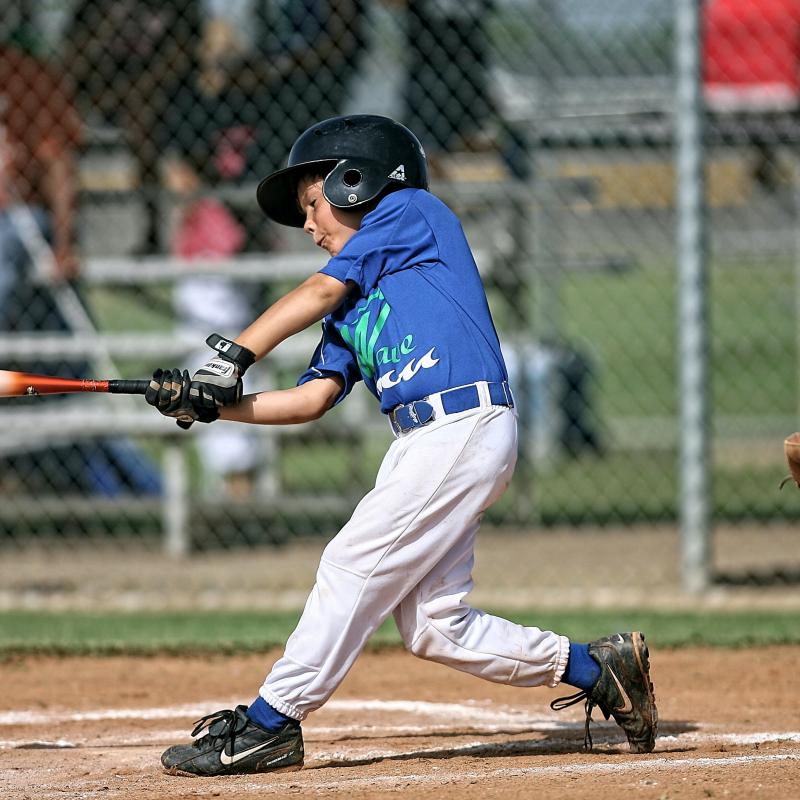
{"points": [[359, 155]]}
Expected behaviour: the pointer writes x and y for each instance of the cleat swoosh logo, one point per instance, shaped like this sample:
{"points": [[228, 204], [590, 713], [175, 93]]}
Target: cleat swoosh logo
{"points": [[228, 760], [627, 705]]}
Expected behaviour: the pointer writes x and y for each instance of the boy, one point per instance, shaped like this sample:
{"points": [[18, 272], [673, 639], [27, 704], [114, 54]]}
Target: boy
{"points": [[403, 309]]}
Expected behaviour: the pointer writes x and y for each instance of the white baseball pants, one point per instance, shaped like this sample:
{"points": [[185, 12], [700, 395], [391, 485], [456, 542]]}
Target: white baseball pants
{"points": [[408, 550]]}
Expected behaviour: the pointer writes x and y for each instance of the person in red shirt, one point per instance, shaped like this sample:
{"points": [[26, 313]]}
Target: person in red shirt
{"points": [[751, 75], [752, 55]]}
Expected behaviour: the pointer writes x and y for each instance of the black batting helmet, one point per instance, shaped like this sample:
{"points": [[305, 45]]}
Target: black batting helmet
{"points": [[360, 155]]}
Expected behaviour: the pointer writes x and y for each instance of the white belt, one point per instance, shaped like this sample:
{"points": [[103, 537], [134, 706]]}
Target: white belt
{"points": [[417, 413]]}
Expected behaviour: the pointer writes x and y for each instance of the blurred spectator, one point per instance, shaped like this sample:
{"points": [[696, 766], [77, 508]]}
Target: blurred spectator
{"points": [[751, 65], [302, 64], [39, 133], [447, 98], [232, 120], [122, 54], [752, 54], [208, 138]]}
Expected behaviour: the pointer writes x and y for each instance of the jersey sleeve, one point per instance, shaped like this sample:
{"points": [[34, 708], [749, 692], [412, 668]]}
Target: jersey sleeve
{"points": [[332, 357], [393, 237]]}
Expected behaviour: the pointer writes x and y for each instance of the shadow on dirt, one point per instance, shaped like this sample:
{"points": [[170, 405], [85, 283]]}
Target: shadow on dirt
{"points": [[565, 739]]}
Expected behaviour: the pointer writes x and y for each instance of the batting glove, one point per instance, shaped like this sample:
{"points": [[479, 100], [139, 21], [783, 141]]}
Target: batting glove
{"points": [[218, 382], [170, 392]]}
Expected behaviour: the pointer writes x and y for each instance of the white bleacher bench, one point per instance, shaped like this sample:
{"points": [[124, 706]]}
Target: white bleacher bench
{"points": [[157, 346], [31, 429], [255, 267], [28, 428]]}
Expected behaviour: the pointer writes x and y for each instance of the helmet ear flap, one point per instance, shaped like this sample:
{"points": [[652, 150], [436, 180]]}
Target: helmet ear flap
{"points": [[350, 185]]}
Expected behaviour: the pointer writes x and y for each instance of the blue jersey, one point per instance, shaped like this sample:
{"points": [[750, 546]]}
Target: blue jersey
{"points": [[418, 323]]}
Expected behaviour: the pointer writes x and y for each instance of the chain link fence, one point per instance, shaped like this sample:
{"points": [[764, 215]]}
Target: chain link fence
{"points": [[133, 134]]}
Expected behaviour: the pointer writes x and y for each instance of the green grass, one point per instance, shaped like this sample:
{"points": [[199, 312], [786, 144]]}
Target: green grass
{"points": [[229, 632], [621, 486], [628, 323]]}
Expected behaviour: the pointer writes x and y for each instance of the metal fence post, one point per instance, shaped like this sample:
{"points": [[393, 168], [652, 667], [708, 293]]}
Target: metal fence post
{"points": [[695, 483], [795, 173], [176, 500]]}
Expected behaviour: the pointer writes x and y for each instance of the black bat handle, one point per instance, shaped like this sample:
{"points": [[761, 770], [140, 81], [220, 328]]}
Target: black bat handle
{"points": [[119, 386], [139, 387], [127, 387]]}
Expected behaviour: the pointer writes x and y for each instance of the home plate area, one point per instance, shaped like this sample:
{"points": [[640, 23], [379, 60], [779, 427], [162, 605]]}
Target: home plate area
{"points": [[83, 727], [370, 747]]}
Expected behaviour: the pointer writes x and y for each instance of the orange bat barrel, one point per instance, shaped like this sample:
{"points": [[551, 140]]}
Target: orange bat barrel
{"points": [[18, 384]]}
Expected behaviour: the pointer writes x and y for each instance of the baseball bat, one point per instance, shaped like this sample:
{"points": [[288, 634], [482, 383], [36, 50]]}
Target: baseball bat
{"points": [[19, 384]]}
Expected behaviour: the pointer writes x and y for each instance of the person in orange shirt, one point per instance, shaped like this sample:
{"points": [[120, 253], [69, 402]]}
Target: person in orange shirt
{"points": [[40, 132]]}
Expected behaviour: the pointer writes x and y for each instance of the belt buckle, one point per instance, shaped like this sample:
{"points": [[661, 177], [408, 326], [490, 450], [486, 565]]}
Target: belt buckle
{"points": [[419, 413]]}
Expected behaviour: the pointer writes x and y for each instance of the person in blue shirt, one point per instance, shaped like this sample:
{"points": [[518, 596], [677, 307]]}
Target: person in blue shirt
{"points": [[402, 308]]}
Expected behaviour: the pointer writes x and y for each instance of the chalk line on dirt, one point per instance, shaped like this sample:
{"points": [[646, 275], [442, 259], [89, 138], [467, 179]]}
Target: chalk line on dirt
{"points": [[360, 750], [278, 784], [449, 711], [152, 738], [438, 717], [603, 767]]}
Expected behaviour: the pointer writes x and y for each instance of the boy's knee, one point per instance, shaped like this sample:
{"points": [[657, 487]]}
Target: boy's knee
{"points": [[412, 625], [422, 644], [435, 637]]}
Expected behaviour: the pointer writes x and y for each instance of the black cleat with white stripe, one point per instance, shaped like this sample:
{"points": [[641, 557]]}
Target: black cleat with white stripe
{"points": [[235, 745], [623, 691]]}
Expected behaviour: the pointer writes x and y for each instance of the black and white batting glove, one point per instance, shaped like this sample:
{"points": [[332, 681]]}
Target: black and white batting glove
{"points": [[170, 392], [218, 382]]}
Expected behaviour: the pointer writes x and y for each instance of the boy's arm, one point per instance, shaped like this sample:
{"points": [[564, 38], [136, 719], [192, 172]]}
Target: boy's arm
{"points": [[302, 403], [308, 303], [218, 383]]}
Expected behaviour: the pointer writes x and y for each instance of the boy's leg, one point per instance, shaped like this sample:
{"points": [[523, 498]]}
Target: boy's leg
{"points": [[437, 624], [433, 486]]}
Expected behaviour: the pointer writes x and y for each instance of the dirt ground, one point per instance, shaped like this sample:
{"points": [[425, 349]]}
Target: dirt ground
{"points": [[95, 727]]}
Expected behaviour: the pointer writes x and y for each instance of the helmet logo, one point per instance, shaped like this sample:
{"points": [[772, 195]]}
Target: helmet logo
{"points": [[352, 198], [399, 173]]}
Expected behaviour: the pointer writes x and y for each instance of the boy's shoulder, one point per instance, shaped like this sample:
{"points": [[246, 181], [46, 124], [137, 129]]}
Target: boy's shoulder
{"points": [[401, 216], [397, 202]]}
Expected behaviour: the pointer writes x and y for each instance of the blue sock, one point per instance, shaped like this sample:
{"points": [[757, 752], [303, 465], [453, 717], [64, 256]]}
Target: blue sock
{"points": [[263, 714], [582, 670]]}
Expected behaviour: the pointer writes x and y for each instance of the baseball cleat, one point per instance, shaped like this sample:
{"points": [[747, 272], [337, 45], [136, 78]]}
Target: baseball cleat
{"points": [[235, 745], [623, 691]]}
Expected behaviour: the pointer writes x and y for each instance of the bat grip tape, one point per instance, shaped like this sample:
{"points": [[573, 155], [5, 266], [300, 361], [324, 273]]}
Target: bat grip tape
{"points": [[127, 387]]}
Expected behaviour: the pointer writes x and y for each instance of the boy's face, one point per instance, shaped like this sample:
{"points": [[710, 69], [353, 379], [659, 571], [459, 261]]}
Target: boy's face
{"points": [[331, 227]]}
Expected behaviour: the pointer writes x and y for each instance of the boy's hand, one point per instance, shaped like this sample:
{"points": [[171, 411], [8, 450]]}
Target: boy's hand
{"points": [[218, 382], [171, 392]]}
